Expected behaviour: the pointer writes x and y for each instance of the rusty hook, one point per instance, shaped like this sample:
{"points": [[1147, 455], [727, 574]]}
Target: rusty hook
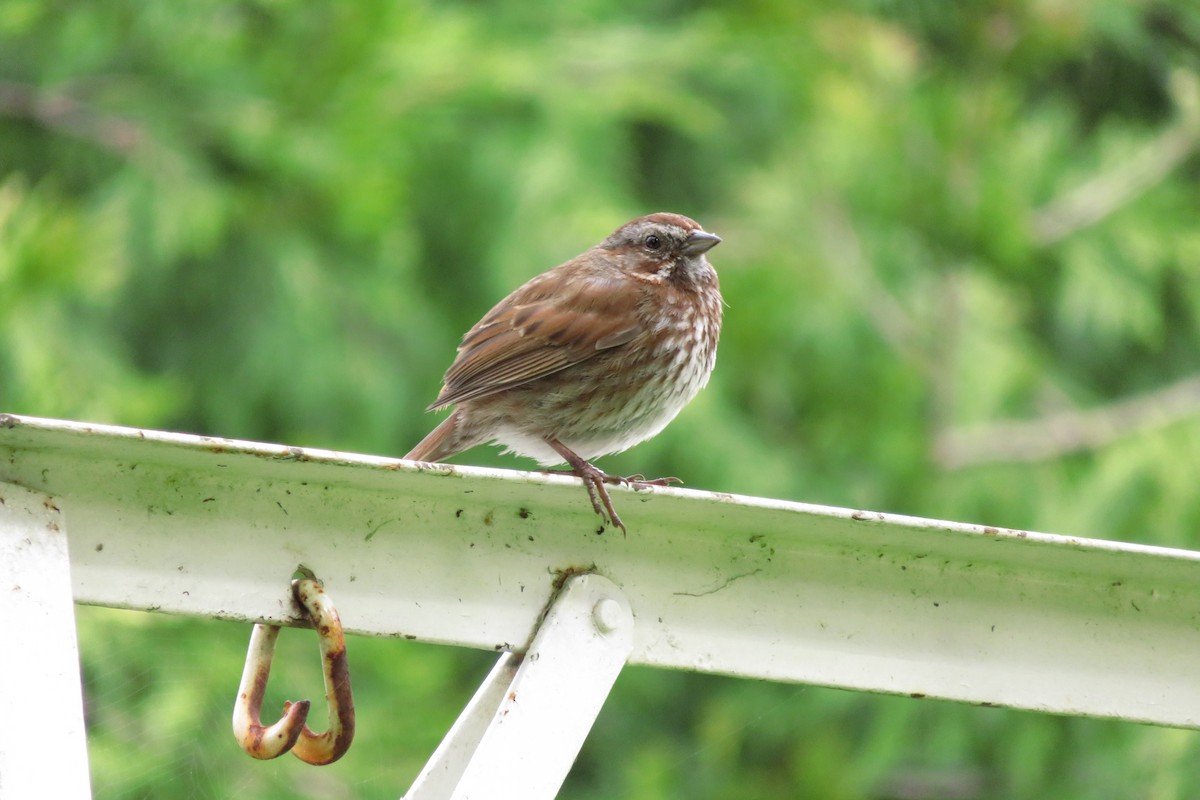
{"points": [[255, 739], [291, 732]]}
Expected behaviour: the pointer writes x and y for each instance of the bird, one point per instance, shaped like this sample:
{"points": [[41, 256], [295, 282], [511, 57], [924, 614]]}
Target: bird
{"points": [[590, 357]]}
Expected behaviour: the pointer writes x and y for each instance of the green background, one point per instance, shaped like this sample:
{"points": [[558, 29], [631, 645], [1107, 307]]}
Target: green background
{"points": [[961, 258]]}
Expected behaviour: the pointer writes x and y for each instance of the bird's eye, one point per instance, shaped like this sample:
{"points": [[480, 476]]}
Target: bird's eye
{"points": [[652, 242]]}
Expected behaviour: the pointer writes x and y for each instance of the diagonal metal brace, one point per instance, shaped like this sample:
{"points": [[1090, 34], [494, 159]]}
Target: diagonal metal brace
{"points": [[525, 725]]}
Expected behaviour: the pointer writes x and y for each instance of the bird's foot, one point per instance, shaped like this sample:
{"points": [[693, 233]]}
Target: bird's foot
{"points": [[593, 480]]}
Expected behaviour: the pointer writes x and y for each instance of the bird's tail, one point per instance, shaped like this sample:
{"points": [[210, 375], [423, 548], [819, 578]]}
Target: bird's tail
{"points": [[441, 443]]}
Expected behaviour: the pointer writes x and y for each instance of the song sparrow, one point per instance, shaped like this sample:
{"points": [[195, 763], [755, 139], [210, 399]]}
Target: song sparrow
{"points": [[591, 357]]}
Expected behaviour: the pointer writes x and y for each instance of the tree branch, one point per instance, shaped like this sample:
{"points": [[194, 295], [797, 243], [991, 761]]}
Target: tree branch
{"points": [[1029, 441], [1104, 194], [844, 248], [59, 111]]}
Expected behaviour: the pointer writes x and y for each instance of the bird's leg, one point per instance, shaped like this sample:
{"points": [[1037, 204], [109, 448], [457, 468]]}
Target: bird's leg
{"points": [[593, 480]]}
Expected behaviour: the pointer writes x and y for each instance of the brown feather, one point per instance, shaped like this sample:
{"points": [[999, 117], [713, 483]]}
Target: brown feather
{"points": [[442, 442], [558, 319]]}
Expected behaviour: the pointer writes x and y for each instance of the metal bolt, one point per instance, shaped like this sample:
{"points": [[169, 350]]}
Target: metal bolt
{"points": [[607, 615]]}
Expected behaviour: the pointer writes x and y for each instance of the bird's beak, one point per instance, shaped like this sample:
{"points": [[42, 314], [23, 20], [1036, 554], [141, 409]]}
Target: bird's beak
{"points": [[700, 242]]}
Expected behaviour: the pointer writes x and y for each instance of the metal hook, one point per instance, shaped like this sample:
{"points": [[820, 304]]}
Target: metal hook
{"points": [[327, 747], [255, 739], [291, 732]]}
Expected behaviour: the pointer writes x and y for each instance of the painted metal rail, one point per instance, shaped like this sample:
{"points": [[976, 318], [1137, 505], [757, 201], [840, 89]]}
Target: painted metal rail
{"points": [[466, 556]]}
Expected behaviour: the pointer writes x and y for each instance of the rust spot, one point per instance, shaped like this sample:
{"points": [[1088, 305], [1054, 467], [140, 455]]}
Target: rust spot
{"points": [[48, 504], [916, 695], [512, 697], [990, 531], [487, 518], [561, 575], [859, 515], [524, 513], [410, 636], [52, 526]]}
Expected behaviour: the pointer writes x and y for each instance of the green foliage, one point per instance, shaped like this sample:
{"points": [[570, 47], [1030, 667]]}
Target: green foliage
{"points": [[960, 258]]}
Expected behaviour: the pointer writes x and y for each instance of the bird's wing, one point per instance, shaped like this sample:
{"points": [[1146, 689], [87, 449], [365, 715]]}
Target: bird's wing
{"points": [[560, 318]]}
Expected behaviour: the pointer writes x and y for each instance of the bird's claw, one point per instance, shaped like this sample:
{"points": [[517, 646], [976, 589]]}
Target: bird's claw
{"points": [[593, 480], [639, 481]]}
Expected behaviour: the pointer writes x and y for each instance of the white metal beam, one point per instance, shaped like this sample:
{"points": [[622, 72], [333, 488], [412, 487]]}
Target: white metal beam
{"points": [[737, 585], [526, 724], [43, 747]]}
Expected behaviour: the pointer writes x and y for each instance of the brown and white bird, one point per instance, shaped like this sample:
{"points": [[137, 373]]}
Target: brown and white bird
{"points": [[591, 357]]}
